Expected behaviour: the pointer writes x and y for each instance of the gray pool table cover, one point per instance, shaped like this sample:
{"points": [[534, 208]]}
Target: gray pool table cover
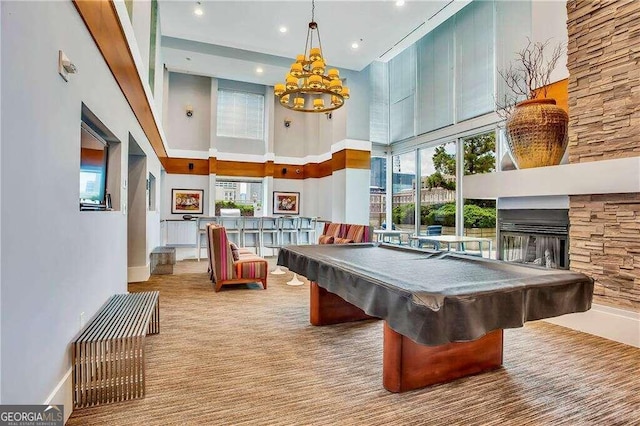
{"points": [[437, 297]]}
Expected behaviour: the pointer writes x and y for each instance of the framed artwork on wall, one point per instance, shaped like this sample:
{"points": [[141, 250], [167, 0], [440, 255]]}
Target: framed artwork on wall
{"points": [[187, 201], [286, 202]]}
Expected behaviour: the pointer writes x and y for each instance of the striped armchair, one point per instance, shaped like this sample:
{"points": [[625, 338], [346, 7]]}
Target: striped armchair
{"points": [[223, 269], [341, 233]]}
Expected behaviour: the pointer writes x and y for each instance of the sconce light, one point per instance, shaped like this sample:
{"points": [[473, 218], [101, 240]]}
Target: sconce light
{"points": [[287, 122], [189, 109], [65, 66]]}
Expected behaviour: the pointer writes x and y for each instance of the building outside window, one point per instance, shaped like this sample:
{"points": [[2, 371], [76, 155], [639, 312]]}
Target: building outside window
{"points": [[403, 191], [378, 192], [239, 194]]}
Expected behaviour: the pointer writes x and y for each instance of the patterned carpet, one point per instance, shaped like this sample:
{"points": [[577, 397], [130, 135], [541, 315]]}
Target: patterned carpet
{"points": [[245, 356]]}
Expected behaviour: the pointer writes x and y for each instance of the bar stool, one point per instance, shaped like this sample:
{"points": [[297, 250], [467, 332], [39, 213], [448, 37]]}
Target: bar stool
{"points": [[201, 230], [307, 227], [252, 226], [269, 233], [288, 225], [233, 226]]}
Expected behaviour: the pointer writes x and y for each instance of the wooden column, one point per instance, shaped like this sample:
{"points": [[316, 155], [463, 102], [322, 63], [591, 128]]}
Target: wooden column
{"points": [[408, 365]]}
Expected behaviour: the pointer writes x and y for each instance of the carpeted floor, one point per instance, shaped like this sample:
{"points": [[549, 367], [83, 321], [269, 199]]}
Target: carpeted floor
{"points": [[249, 357]]}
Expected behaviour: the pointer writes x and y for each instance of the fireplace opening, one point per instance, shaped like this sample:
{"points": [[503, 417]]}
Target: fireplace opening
{"points": [[536, 237]]}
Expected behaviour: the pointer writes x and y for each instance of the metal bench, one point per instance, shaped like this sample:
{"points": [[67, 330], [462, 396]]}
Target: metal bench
{"points": [[108, 355]]}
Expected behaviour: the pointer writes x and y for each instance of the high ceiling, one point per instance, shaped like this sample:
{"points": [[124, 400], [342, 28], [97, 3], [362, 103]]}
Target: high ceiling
{"points": [[255, 26]]}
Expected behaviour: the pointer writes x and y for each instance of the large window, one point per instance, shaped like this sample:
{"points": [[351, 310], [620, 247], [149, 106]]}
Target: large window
{"points": [[438, 190], [240, 115], [404, 182], [239, 194], [480, 215], [378, 192]]}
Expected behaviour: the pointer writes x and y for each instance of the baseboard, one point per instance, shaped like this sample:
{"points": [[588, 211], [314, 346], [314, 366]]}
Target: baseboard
{"points": [[63, 394], [137, 274], [611, 323]]}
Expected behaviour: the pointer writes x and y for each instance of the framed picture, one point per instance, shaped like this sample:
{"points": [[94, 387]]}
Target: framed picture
{"points": [[286, 202], [187, 201]]}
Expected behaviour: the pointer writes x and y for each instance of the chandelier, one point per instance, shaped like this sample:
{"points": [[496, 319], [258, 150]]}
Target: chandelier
{"points": [[307, 88]]}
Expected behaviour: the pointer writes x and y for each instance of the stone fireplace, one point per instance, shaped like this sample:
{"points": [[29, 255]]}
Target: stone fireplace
{"points": [[604, 124]]}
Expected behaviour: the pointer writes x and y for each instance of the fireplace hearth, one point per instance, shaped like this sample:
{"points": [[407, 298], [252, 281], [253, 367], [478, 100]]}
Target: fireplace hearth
{"points": [[537, 237]]}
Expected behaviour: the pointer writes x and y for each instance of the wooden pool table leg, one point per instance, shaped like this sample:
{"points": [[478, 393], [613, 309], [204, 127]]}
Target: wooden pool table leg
{"points": [[328, 308], [408, 365]]}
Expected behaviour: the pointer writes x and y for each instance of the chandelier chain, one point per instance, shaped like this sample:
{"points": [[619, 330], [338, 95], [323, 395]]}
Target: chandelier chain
{"points": [[313, 10]]}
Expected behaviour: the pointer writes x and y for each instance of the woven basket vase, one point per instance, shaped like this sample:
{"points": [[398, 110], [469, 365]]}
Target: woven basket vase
{"points": [[537, 133]]}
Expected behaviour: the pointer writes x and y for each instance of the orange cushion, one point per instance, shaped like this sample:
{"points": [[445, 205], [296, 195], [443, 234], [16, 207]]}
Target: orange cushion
{"points": [[325, 239]]}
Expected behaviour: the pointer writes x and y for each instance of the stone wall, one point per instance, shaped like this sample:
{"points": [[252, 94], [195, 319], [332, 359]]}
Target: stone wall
{"points": [[604, 79], [604, 123], [605, 244]]}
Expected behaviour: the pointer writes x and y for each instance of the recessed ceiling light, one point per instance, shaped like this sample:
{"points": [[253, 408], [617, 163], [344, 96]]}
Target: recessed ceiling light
{"points": [[400, 3], [283, 29], [354, 45], [259, 70]]}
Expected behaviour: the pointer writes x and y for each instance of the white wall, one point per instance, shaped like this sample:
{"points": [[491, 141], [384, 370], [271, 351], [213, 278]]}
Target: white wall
{"points": [[176, 181], [357, 196], [290, 185], [141, 21], [319, 197], [57, 262], [290, 141], [189, 133], [137, 211], [357, 106], [549, 22]]}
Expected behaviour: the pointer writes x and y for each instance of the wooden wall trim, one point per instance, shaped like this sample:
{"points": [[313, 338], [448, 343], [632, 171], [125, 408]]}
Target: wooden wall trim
{"points": [[346, 158], [181, 166], [350, 159], [103, 24], [240, 168]]}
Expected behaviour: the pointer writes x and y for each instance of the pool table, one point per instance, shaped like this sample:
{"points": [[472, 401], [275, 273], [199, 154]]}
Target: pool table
{"points": [[444, 312]]}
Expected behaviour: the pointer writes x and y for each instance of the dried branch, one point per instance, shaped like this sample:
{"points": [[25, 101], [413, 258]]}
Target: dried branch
{"points": [[530, 77]]}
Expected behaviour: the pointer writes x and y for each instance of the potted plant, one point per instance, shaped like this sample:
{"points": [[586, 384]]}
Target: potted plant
{"points": [[536, 127]]}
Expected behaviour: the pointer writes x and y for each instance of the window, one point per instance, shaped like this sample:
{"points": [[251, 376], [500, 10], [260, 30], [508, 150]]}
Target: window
{"points": [[152, 192], [378, 192], [241, 194], [403, 191], [438, 189], [99, 174], [240, 115], [480, 215]]}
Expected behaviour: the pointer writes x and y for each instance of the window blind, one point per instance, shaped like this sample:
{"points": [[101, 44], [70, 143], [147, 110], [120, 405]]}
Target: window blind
{"points": [[474, 60], [402, 88], [240, 115], [435, 54], [379, 102]]}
